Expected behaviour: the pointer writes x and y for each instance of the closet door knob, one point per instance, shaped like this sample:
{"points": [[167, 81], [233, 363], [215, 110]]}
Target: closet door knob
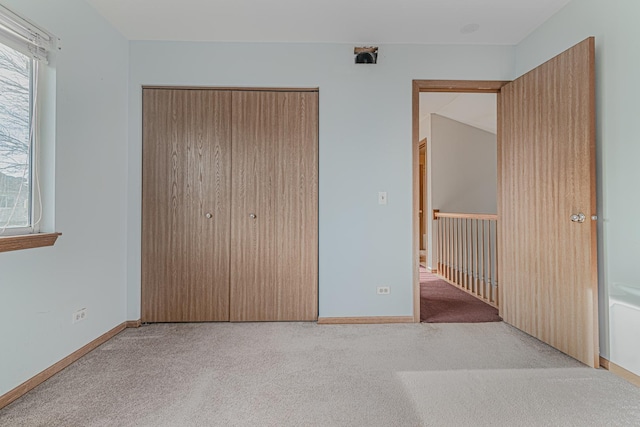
{"points": [[208, 215], [253, 216]]}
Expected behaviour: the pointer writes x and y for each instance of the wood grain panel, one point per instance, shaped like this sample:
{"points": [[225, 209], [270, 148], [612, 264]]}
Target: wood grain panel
{"points": [[274, 267], [186, 174], [546, 173]]}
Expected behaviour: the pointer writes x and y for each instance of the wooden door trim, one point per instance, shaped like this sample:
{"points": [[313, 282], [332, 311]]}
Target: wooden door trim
{"points": [[458, 86], [422, 145]]}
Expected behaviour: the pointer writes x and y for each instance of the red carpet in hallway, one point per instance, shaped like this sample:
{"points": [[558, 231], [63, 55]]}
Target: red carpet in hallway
{"points": [[441, 302]]}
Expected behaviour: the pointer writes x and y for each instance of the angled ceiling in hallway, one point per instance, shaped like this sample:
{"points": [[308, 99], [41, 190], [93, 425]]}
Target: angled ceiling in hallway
{"points": [[504, 22], [479, 110]]}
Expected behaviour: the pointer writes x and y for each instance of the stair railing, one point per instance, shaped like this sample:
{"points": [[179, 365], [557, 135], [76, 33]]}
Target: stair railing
{"points": [[466, 252]]}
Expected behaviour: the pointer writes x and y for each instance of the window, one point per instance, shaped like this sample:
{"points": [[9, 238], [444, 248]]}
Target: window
{"points": [[16, 144], [24, 47]]}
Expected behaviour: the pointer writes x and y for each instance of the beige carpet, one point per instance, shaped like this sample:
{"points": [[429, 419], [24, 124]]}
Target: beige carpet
{"points": [[302, 374]]}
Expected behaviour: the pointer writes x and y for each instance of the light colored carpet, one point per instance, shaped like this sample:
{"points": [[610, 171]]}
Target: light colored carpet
{"points": [[303, 374]]}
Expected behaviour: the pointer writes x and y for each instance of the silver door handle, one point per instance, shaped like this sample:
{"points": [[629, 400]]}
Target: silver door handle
{"points": [[253, 216], [208, 215], [578, 217]]}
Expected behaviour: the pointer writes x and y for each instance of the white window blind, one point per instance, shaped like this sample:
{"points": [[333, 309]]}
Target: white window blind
{"points": [[25, 36]]}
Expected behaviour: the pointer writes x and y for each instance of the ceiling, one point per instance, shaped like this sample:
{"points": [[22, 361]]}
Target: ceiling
{"points": [[504, 22], [475, 109]]}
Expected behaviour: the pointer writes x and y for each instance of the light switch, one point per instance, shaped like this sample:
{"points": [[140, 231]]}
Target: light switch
{"points": [[382, 197]]}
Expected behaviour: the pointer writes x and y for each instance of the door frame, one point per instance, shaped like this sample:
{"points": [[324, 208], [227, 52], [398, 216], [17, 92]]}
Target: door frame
{"points": [[423, 181], [459, 86]]}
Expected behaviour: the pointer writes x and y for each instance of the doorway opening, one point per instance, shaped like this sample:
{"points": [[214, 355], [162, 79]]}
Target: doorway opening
{"points": [[455, 179], [547, 250]]}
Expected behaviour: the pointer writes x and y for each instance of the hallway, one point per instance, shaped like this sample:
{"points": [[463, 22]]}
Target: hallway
{"points": [[441, 302]]}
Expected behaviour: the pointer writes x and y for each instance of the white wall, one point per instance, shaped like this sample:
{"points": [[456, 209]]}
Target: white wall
{"points": [[462, 170], [614, 24], [40, 288], [365, 147], [425, 127], [463, 166]]}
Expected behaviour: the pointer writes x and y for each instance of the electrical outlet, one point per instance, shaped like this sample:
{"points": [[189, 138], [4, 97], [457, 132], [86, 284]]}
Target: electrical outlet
{"points": [[383, 290], [382, 197], [79, 315]]}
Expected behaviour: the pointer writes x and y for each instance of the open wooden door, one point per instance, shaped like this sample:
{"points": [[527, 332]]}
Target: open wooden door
{"points": [[547, 197]]}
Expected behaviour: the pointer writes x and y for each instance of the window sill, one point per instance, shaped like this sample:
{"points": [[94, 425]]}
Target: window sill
{"points": [[27, 241]]}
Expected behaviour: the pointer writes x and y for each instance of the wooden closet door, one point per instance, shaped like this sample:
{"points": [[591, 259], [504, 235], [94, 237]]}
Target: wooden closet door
{"points": [[186, 205], [274, 251]]}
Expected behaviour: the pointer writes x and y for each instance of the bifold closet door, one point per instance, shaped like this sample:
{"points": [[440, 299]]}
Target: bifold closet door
{"points": [[186, 205], [274, 232]]}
